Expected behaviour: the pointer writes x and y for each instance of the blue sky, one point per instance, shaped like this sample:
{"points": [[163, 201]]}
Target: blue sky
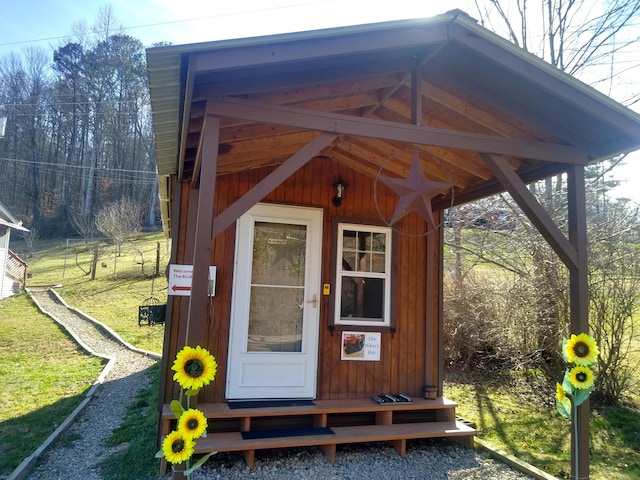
{"points": [[44, 22], [48, 23]]}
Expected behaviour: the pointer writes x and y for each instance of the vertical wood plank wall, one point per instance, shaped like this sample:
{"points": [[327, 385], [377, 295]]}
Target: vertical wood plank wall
{"points": [[402, 365]]}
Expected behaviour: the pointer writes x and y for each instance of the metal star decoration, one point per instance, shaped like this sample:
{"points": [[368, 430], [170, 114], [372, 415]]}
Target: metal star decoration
{"points": [[415, 192]]}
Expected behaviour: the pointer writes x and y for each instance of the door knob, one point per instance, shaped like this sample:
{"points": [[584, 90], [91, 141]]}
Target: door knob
{"points": [[314, 300]]}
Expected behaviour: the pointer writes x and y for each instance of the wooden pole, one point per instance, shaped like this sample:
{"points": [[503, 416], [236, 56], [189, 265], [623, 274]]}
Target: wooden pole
{"points": [[579, 305], [199, 299]]}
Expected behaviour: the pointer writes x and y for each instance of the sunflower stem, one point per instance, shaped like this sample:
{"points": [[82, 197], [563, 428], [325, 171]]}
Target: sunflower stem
{"points": [[574, 420]]}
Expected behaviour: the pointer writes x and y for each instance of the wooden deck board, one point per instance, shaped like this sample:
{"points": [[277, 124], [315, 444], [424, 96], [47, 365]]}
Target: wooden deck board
{"points": [[222, 410], [381, 429], [233, 441]]}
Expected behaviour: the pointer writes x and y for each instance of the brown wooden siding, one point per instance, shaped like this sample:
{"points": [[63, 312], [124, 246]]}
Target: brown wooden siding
{"points": [[409, 354]]}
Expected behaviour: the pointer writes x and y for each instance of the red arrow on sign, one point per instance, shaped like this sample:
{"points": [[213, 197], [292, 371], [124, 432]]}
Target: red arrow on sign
{"points": [[177, 287]]}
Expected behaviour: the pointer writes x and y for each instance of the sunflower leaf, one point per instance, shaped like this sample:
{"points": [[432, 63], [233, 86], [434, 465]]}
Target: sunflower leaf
{"points": [[176, 408], [198, 464], [191, 392], [564, 407], [566, 383], [159, 454], [581, 395], [564, 349]]}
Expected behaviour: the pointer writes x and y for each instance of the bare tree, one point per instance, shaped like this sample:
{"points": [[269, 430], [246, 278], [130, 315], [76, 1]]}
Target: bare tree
{"points": [[593, 41], [119, 220]]}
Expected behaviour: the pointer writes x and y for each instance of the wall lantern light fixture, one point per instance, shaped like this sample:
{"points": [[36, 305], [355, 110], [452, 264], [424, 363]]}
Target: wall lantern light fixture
{"points": [[339, 186]]}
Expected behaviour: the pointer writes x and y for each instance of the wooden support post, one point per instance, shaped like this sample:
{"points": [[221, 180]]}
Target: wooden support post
{"points": [[250, 458], [579, 314], [329, 451], [197, 319], [245, 424], [400, 446]]}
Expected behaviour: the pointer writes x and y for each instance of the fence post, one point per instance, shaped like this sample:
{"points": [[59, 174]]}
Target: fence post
{"points": [[157, 272]]}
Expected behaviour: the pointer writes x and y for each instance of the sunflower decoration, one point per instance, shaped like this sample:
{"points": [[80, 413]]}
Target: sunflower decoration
{"points": [[563, 403], [192, 423], [581, 377], [195, 368], [580, 352], [580, 349], [178, 447]]}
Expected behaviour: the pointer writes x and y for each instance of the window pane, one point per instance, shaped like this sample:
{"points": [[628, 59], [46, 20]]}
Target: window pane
{"points": [[349, 240], [278, 254], [378, 243], [275, 319], [362, 298], [349, 263], [377, 263]]}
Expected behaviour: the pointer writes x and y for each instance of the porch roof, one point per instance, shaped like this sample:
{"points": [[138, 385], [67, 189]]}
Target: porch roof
{"points": [[443, 86]]}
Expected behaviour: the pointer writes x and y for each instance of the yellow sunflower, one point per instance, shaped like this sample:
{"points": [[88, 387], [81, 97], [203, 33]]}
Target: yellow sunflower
{"points": [[178, 447], [192, 423], [560, 393], [194, 367], [581, 377], [581, 350]]}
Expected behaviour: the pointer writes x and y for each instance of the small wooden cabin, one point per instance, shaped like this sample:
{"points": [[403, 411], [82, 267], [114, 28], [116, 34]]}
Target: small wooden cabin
{"points": [[312, 170], [13, 270]]}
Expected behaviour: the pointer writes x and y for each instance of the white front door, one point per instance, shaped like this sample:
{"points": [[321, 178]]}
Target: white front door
{"points": [[273, 340]]}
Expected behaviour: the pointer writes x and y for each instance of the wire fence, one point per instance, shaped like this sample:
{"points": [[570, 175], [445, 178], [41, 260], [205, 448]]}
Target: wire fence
{"points": [[103, 257]]}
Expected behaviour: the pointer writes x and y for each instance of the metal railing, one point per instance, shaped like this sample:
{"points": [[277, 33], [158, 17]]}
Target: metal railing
{"points": [[16, 268]]}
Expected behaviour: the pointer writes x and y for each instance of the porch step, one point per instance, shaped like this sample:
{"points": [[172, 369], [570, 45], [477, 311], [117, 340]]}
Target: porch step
{"points": [[352, 421], [397, 435]]}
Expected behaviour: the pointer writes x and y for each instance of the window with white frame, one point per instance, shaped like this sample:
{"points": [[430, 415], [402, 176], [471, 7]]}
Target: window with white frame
{"points": [[363, 275]]}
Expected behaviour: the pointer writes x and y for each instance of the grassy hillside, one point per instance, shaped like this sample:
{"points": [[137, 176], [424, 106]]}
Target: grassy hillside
{"points": [[43, 374], [121, 284]]}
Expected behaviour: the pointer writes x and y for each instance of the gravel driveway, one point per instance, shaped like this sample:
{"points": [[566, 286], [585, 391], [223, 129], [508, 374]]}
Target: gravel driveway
{"points": [[78, 460]]}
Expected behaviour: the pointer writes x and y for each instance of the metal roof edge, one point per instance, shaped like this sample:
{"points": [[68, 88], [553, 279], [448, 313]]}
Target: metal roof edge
{"points": [[471, 25]]}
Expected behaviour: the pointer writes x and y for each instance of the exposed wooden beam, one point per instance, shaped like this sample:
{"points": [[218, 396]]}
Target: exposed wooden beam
{"points": [[534, 211], [416, 96], [198, 300], [479, 114], [366, 127], [548, 78], [328, 89], [296, 48], [271, 181], [307, 76]]}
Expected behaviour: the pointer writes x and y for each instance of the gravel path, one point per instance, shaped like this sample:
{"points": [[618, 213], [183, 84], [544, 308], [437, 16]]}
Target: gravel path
{"points": [[425, 460], [107, 406]]}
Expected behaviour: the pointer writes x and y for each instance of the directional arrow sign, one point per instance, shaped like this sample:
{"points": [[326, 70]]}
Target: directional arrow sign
{"points": [[179, 288], [180, 279]]}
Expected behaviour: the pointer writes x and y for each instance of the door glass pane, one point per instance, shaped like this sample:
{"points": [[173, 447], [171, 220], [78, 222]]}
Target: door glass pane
{"points": [[277, 288]]}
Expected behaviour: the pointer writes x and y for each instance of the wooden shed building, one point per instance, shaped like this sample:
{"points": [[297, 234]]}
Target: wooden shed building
{"points": [[312, 170]]}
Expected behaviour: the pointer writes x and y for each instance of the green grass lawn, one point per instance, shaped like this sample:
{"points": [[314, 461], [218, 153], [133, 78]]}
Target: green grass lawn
{"points": [[43, 377], [518, 415], [122, 284]]}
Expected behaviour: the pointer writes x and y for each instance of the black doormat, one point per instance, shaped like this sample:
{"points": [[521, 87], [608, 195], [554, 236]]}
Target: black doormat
{"points": [[286, 432], [269, 403]]}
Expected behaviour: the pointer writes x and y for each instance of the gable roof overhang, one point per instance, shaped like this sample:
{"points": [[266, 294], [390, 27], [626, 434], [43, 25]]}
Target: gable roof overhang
{"points": [[9, 221], [443, 86]]}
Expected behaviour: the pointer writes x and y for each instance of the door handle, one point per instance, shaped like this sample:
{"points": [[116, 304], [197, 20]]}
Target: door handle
{"points": [[314, 300]]}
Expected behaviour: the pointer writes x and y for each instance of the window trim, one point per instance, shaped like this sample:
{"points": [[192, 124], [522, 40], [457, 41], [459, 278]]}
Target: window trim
{"points": [[334, 319]]}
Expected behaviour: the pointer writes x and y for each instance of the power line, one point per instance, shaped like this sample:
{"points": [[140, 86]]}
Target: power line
{"points": [[171, 22], [80, 167]]}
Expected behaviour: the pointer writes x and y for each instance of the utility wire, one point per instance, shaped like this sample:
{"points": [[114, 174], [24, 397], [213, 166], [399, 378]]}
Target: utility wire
{"points": [[172, 22]]}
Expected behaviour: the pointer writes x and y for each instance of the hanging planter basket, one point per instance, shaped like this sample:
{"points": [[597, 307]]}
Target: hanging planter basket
{"points": [[151, 312]]}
